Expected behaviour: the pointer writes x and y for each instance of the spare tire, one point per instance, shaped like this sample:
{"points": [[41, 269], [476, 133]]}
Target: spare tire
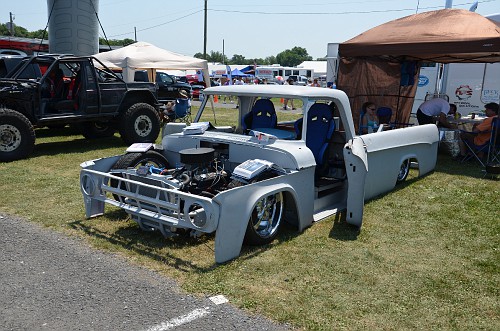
{"points": [[135, 160]]}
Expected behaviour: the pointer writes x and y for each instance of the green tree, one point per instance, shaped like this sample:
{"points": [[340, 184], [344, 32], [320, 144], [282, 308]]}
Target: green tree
{"points": [[19, 31], [293, 57], [238, 59], [213, 57], [270, 60], [116, 42]]}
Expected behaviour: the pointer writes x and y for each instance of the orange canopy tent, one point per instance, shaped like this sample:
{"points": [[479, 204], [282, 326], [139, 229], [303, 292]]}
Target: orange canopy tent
{"points": [[382, 64]]}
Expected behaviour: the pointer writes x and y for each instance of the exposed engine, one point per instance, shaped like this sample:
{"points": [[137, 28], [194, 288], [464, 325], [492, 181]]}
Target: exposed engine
{"points": [[201, 172]]}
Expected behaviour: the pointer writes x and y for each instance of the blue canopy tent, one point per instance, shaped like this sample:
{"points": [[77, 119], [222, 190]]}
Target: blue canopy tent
{"points": [[239, 73]]}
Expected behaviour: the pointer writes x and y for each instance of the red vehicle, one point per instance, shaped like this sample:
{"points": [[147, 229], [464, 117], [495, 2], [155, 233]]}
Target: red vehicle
{"points": [[197, 87]]}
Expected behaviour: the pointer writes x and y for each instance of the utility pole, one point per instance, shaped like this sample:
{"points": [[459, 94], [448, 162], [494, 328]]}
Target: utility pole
{"points": [[205, 34], [135, 34], [11, 24]]}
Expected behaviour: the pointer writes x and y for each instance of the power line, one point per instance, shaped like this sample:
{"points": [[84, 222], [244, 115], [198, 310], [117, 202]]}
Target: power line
{"points": [[296, 13], [338, 13], [161, 24]]}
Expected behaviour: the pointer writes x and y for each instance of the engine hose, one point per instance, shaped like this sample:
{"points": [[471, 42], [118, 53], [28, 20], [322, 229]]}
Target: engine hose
{"points": [[185, 179], [155, 170]]}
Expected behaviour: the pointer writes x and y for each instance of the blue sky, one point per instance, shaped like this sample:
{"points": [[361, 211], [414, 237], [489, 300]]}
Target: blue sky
{"points": [[254, 29]]}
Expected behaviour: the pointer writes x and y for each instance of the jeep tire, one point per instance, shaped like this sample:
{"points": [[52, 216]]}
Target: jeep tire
{"points": [[140, 124], [17, 135]]}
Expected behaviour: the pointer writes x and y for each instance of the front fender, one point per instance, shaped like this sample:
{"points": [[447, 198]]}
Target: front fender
{"points": [[237, 205]]}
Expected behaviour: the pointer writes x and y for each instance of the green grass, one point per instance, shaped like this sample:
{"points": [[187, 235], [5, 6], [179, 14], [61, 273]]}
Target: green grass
{"points": [[427, 256]]}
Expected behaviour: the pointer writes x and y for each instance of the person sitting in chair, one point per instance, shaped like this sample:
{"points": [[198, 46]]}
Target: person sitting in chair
{"points": [[481, 132], [369, 119], [170, 113]]}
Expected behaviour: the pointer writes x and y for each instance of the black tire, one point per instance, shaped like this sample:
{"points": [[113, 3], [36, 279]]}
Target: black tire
{"points": [[17, 135], [404, 170], [265, 220], [140, 124], [134, 160], [96, 130]]}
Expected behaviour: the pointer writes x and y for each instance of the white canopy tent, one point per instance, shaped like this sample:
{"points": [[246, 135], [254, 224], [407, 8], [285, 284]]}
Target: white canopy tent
{"points": [[145, 56]]}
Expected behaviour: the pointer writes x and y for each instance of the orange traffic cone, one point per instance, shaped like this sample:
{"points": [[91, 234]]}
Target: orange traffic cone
{"points": [[216, 98], [282, 100]]}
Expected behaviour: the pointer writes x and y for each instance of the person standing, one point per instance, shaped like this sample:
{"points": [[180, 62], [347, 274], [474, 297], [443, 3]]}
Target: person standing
{"points": [[289, 81], [238, 81], [315, 83], [432, 109]]}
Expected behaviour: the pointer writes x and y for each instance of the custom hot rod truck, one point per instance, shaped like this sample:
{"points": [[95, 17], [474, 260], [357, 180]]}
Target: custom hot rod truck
{"points": [[243, 181]]}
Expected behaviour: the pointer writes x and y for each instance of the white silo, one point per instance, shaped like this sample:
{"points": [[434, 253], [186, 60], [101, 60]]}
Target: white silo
{"points": [[73, 26]]}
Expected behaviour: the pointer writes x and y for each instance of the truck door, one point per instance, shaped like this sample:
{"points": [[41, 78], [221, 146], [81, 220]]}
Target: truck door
{"points": [[112, 90], [80, 93], [89, 93]]}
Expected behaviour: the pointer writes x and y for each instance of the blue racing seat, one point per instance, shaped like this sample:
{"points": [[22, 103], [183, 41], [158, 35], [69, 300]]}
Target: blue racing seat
{"points": [[320, 127], [262, 115]]}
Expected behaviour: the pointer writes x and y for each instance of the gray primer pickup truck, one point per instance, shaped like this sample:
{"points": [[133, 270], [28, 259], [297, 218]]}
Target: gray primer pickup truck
{"points": [[244, 181]]}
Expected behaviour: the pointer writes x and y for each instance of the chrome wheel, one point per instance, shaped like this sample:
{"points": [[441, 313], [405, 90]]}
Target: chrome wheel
{"points": [[265, 220], [404, 170]]}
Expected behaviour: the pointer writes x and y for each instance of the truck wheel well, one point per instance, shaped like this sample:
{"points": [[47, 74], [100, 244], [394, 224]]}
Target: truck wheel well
{"points": [[137, 97], [291, 212]]}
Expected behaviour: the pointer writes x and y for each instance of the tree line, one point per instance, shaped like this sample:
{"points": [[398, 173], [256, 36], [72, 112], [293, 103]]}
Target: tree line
{"points": [[289, 57]]}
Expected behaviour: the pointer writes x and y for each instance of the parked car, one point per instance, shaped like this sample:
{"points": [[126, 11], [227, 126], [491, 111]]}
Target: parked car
{"points": [[298, 80], [197, 90], [168, 86], [55, 90], [244, 181]]}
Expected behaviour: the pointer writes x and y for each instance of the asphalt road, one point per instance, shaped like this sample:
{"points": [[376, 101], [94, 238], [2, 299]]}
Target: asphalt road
{"points": [[52, 282]]}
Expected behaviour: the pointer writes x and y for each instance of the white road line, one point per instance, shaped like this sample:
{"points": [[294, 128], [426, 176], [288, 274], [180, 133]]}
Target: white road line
{"points": [[195, 314]]}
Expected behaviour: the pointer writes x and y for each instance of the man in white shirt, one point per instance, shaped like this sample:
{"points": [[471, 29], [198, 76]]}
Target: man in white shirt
{"points": [[430, 109]]}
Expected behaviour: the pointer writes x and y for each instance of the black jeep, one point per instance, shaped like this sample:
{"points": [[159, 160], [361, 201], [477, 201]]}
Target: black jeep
{"points": [[55, 90], [168, 86]]}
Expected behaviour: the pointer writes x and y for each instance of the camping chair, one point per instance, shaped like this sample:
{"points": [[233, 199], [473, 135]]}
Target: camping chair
{"points": [[361, 127], [491, 148], [182, 111], [262, 115], [384, 115], [494, 146], [320, 127]]}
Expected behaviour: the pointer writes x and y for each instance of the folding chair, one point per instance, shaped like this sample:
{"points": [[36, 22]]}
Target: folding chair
{"points": [[490, 148], [384, 115], [182, 111], [494, 147]]}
